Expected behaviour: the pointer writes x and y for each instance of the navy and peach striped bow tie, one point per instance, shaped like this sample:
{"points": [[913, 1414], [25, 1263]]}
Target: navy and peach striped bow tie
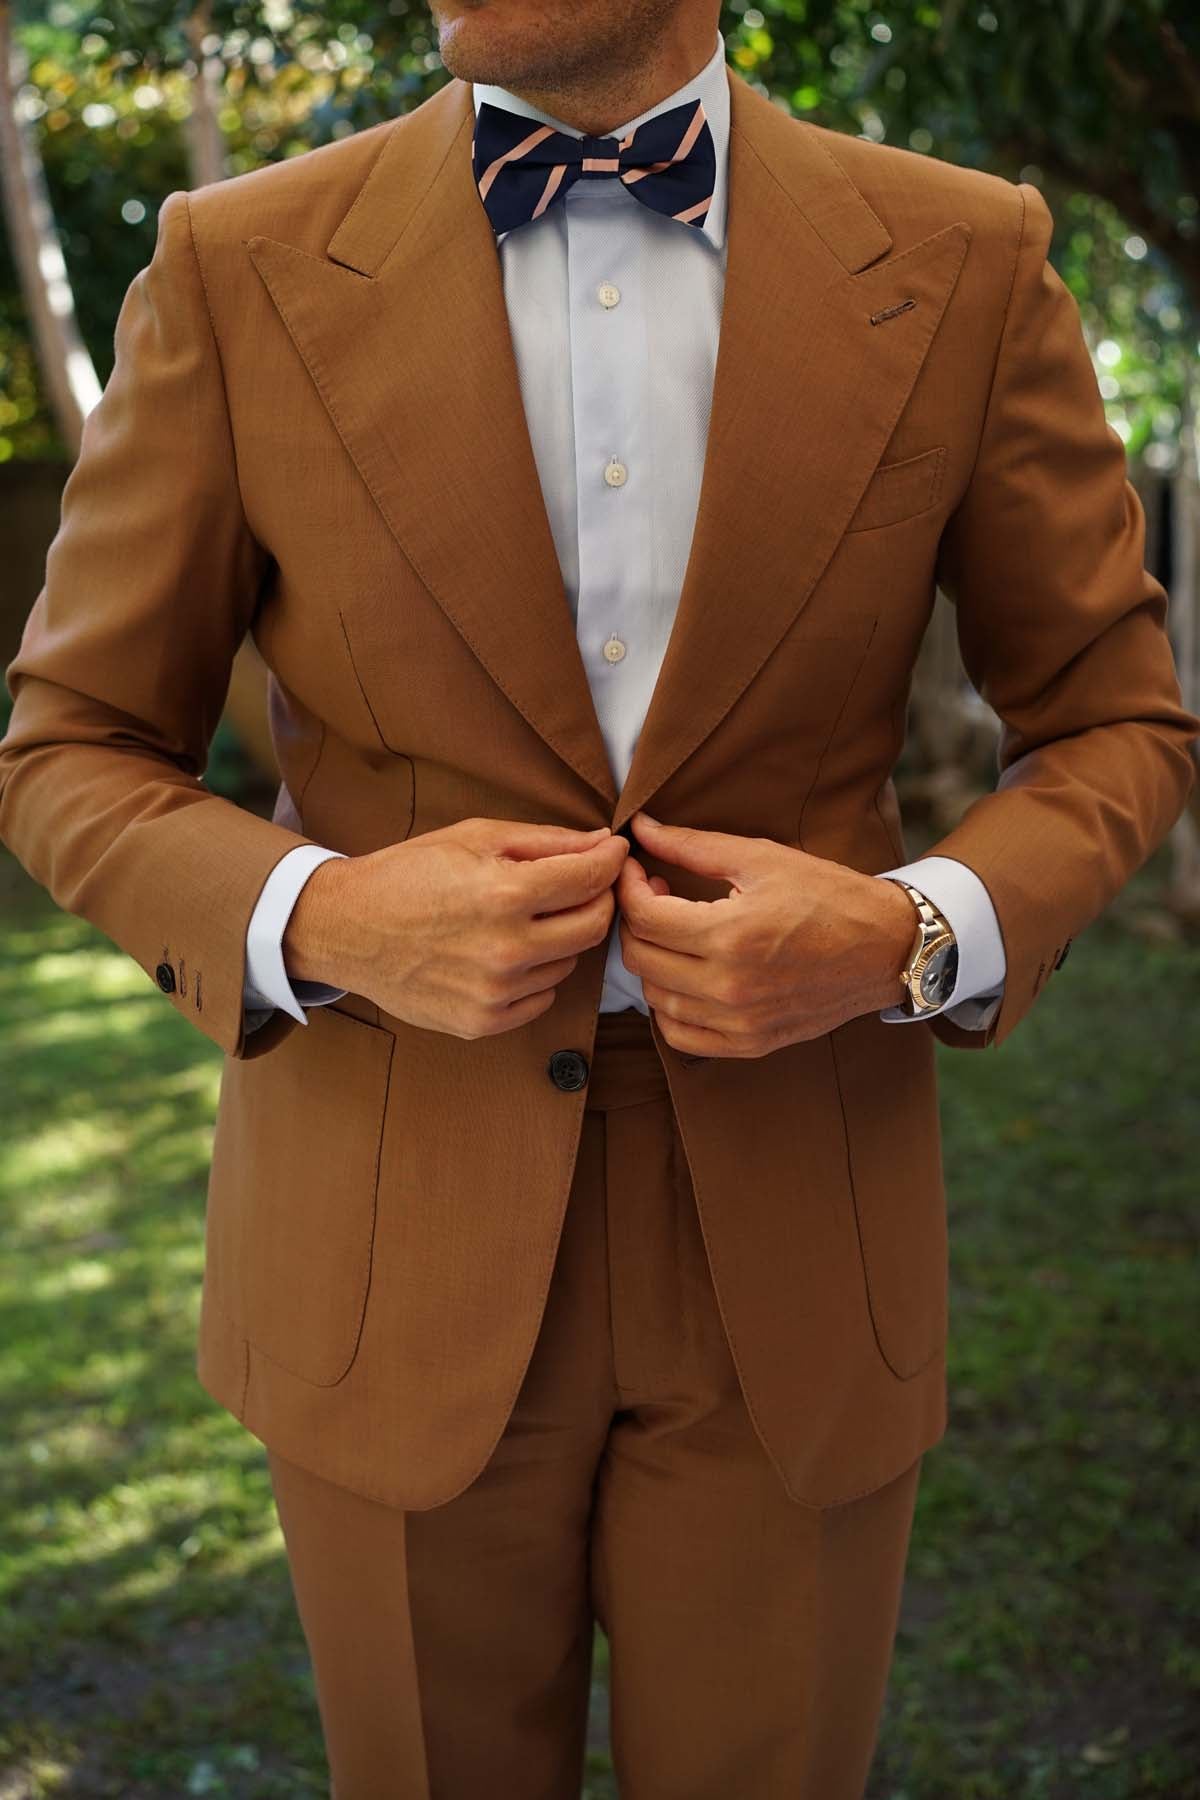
{"points": [[521, 166]]}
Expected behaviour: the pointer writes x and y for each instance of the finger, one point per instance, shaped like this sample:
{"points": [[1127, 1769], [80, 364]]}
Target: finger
{"points": [[524, 1011], [693, 1040], [665, 919], [570, 931], [513, 838], [687, 1008], [700, 1039], [656, 883], [671, 969], [715, 853], [553, 882], [539, 976]]}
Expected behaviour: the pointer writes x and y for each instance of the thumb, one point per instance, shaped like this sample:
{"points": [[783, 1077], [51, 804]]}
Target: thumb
{"points": [[524, 842], [717, 853]]}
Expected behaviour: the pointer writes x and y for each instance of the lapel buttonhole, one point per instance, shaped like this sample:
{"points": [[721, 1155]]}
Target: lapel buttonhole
{"points": [[891, 311]]}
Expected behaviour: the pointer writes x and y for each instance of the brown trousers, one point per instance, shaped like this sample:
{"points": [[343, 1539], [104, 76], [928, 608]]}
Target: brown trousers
{"points": [[750, 1636]]}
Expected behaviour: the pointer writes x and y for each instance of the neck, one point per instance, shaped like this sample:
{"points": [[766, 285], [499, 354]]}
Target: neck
{"points": [[598, 106]]}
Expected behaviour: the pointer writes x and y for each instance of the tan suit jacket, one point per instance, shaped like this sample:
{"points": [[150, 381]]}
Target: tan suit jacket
{"points": [[314, 432]]}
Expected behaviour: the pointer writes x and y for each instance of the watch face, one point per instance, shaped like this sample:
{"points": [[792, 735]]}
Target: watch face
{"points": [[939, 974]]}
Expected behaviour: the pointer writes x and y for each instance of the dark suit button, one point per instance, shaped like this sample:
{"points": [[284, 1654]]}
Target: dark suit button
{"points": [[1063, 953], [165, 977], [568, 1070]]}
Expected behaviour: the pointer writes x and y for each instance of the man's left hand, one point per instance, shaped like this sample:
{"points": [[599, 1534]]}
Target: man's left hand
{"points": [[797, 947]]}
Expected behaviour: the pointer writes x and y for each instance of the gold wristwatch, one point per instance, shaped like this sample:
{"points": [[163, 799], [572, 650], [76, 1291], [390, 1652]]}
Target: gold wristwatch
{"points": [[932, 966]]}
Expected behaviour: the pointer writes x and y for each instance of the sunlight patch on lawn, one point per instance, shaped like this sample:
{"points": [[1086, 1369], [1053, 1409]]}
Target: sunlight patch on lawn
{"points": [[107, 974], [49, 1217], [81, 1438], [99, 1149], [74, 1024], [83, 1275], [202, 1081], [62, 1150], [101, 1370]]}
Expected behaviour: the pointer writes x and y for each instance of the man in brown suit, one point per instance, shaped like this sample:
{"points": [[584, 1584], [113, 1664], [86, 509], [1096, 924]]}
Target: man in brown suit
{"points": [[576, 1239]]}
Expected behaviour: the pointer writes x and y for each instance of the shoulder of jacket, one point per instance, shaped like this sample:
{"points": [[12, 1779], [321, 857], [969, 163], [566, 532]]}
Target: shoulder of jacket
{"points": [[915, 194], [300, 201]]}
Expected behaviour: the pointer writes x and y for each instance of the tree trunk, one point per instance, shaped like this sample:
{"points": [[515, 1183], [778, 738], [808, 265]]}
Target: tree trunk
{"points": [[207, 157], [72, 387], [1184, 883]]}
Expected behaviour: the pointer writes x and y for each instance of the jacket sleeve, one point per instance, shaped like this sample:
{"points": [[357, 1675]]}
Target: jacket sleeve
{"points": [[122, 671], [1063, 631]]}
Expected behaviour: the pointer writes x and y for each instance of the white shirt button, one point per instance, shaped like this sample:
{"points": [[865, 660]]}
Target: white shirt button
{"points": [[615, 473], [608, 294], [614, 650]]}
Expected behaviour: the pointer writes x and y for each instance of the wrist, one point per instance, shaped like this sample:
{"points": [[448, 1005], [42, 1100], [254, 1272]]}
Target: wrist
{"points": [[314, 939], [897, 930]]}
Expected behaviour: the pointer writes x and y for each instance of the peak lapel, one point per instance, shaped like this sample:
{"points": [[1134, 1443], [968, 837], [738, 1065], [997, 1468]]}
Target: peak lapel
{"points": [[806, 394], [405, 334]]}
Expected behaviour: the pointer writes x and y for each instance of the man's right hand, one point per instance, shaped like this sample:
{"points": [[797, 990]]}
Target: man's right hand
{"points": [[465, 930]]}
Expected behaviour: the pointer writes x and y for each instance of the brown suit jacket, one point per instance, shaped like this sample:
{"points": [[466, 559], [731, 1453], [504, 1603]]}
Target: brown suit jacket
{"points": [[314, 432]]}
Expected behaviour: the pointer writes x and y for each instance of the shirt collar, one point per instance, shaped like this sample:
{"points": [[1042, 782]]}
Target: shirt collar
{"points": [[711, 86]]}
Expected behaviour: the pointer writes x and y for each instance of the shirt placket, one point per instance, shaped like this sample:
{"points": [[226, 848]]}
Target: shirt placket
{"points": [[612, 431], [612, 462]]}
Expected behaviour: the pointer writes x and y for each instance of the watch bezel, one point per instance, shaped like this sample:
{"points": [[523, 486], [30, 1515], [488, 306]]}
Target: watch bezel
{"points": [[934, 933], [945, 940]]}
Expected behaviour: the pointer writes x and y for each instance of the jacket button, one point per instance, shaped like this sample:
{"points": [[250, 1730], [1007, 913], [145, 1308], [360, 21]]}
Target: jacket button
{"points": [[165, 977], [568, 1070]]}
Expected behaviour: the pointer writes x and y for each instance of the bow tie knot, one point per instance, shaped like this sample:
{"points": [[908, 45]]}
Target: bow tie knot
{"points": [[600, 155], [522, 166]]}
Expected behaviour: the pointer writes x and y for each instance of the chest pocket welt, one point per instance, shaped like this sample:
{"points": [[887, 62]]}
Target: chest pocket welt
{"points": [[900, 490]]}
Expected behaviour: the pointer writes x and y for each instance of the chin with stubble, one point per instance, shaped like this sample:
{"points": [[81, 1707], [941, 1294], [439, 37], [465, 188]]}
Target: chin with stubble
{"points": [[532, 45]]}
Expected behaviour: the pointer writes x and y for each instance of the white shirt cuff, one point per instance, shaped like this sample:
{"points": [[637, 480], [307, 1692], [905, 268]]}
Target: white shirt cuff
{"points": [[267, 985], [961, 896]]}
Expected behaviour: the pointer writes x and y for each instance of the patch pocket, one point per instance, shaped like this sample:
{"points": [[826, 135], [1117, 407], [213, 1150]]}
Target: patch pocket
{"points": [[296, 1151], [901, 490]]}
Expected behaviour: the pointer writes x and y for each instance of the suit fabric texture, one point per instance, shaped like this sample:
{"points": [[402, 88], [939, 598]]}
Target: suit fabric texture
{"points": [[750, 1638], [314, 433]]}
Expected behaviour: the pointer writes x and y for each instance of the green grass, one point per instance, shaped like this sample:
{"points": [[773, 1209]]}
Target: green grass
{"points": [[1050, 1639]]}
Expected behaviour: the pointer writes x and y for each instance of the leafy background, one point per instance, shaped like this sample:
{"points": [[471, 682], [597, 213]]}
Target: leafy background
{"points": [[1097, 101]]}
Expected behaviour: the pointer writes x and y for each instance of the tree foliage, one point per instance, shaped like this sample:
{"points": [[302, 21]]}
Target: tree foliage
{"points": [[1098, 101]]}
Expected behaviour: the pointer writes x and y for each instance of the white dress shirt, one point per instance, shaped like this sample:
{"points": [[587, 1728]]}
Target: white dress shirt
{"points": [[615, 314]]}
